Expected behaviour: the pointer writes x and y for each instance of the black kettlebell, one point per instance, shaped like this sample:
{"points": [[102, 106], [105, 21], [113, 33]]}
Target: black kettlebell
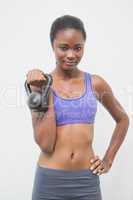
{"points": [[38, 101]]}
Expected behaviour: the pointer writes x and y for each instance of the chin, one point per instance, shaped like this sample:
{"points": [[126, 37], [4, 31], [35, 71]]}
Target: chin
{"points": [[66, 68], [69, 67]]}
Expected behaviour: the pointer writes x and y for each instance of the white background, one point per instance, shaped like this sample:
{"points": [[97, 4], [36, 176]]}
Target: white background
{"points": [[24, 45]]}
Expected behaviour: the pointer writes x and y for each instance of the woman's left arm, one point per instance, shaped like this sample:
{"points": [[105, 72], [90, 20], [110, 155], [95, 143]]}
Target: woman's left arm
{"points": [[106, 97]]}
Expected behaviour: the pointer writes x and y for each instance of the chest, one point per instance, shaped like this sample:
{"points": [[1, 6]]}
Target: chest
{"points": [[71, 89]]}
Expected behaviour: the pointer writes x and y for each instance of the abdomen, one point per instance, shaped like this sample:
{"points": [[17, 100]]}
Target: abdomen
{"points": [[73, 148]]}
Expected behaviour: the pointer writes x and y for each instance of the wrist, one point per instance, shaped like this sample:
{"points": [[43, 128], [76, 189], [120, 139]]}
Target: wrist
{"points": [[109, 161]]}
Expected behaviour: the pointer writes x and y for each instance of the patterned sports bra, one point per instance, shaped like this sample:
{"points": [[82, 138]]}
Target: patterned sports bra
{"points": [[76, 110]]}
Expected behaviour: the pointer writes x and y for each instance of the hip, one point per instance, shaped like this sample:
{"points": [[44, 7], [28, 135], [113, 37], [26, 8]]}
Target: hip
{"points": [[66, 160], [59, 183]]}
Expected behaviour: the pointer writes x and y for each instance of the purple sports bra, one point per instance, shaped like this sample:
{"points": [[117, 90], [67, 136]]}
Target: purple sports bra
{"points": [[76, 110]]}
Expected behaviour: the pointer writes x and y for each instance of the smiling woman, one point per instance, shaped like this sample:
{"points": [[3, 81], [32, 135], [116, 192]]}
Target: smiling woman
{"points": [[68, 39], [68, 167], [68, 47]]}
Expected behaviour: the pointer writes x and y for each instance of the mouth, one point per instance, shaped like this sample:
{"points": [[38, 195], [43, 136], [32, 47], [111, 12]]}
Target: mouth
{"points": [[68, 63]]}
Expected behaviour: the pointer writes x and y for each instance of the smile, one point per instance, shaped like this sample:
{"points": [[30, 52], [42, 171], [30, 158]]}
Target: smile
{"points": [[70, 63]]}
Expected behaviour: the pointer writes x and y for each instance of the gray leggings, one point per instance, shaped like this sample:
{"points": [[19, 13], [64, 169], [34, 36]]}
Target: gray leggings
{"points": [[59, 184]]}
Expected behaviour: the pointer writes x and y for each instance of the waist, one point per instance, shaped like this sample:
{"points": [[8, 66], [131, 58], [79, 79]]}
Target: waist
{"points": [[67, 160], [52, 171]]}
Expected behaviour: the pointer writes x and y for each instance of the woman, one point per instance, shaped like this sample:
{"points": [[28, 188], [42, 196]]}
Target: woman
{"points": [[68, 167]]}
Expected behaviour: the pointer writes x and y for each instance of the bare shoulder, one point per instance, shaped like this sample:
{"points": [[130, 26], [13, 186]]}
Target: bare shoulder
{"points": [[100, 86], [106, 97]]}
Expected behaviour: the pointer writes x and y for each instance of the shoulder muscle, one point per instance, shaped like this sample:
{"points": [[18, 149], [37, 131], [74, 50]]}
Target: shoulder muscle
{"points": [[105, 96]]}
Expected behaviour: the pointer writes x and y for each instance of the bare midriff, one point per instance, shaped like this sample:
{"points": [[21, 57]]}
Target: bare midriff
{"points": [[73, 149]]}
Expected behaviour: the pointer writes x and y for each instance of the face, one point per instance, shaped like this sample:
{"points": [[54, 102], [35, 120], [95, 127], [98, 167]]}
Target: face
{"points": [[68, 47]]}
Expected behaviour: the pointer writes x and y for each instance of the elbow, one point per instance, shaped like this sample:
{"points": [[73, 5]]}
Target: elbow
{"points": [[46, 148], [126, 119]]}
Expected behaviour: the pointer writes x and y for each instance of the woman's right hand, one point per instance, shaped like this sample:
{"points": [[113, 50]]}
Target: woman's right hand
{"points": [[35, 77]]}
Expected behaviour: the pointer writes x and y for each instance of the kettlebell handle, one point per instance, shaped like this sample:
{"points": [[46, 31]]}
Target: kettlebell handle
{"points": [[38, 101], [49, 82]]}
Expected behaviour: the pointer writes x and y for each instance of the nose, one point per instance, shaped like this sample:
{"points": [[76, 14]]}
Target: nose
{"points": [[70, 55]]}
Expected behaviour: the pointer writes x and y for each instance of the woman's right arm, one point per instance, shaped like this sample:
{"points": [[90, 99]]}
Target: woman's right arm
{"points": [[44, 125]]}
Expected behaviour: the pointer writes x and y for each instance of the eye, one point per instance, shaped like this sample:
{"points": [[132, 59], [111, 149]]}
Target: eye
{"points": [[77, 48], [63, 48]]}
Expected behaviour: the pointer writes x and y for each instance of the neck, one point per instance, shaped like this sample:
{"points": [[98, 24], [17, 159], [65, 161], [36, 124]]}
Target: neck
{"points": [[66, 74]]}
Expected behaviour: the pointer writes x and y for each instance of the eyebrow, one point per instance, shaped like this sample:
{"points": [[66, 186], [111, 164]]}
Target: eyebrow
{"points": [[65, 44]]}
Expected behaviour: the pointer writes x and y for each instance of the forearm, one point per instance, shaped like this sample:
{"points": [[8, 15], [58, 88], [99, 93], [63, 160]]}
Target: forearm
{"points": [[44, 125], [117, 139]]}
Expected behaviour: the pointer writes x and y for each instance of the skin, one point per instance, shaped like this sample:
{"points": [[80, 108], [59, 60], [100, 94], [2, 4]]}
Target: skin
{"points": [[73, 149]]}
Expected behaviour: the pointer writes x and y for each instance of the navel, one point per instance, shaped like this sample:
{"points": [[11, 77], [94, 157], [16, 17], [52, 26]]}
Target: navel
{"points": [[72, 155]]}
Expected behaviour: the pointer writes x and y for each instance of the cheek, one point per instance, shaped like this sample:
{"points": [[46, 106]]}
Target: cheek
{"points": [[59, 54], [80, 54]]}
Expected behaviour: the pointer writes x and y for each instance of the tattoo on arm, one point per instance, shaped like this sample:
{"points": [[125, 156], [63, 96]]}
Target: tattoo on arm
{"points": [[37, 116], [41, 115]]}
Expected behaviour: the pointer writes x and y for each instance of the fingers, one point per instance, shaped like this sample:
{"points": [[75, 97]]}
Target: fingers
{"points": [[100, 169], [36, 77], [97, 165], [94, 160]]}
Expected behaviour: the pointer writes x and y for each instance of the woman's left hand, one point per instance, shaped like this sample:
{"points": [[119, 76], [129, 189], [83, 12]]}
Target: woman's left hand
{"points": [[99, 166]]}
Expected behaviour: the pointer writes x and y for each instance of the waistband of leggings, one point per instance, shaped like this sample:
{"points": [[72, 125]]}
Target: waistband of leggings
{"points": [[52, 171]]}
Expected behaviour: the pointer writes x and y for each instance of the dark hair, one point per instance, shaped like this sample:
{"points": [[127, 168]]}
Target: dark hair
{"points": [[64, 22]]}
